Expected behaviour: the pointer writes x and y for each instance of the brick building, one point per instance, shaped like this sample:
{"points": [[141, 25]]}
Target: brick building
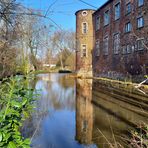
{"points": [[84, 41], [120, 38]]}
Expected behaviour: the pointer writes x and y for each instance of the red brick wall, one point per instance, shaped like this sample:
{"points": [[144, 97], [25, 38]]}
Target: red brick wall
{"points": [[84, 63], [133, 63]]}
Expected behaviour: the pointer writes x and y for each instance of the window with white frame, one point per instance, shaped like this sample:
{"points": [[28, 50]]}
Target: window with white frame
{"points": [[97, 48], [124, 50], [127, 49], [140, 3], [106, 45], [140, 44], [106, 18], [128, 8], [128, 27], [140, 22], [117, 11], [84, 27], [116, 43], [97, 23], [84, 50]]}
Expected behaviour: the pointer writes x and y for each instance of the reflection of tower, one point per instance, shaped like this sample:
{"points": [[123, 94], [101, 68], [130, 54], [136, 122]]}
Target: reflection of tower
{"points": [[84, 111], [84, 42]]}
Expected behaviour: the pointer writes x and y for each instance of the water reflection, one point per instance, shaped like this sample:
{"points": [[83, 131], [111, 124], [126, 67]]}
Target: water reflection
{"points": [[117, 110], [55, 94], [53, 122], [82, 113], [105, 114]]}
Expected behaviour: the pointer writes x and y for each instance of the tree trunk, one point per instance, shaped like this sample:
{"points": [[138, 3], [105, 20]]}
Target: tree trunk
{"points": [[61, 62]]}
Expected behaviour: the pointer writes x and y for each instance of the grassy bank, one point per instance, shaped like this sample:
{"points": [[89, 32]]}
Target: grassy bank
{"points": [[123, 84]]}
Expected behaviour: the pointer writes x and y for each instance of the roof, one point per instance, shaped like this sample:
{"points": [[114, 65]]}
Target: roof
{"points": [[85, 10], [103, 6]]}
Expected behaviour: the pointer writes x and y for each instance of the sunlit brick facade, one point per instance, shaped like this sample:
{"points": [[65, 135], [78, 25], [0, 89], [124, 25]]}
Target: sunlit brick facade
{"points": [[84, 41], [120, 38]]}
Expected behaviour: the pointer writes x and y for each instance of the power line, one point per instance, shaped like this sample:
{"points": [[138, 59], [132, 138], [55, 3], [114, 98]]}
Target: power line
{"points": [[61, 12], [64, 4], [50, 7], [88, 4]]}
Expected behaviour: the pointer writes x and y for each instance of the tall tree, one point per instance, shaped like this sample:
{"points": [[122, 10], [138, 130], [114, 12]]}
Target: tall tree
{"points": [[63, 42]]}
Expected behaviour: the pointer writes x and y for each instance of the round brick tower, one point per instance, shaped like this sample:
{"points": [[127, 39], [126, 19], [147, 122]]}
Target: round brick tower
{"points": [[84, 42]]}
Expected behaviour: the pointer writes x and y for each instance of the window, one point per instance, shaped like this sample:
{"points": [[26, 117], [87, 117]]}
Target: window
{"points": [[84, 51], [105, 48], [127, 49], [140, 22], [128, 8], [106, 18], [140, 2], [116, 43], [117, 11], [84, 125], [97, 23], [124, 50], [97, 48], [128, 27], [140, 44], [84, 28]]}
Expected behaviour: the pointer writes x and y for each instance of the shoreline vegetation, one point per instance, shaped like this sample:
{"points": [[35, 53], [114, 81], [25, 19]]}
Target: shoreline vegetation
{"points": [[16, 104], [124, 83]]}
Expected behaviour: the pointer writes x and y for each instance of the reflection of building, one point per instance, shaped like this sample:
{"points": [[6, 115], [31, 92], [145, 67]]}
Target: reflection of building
{"points": [[84, 112]]}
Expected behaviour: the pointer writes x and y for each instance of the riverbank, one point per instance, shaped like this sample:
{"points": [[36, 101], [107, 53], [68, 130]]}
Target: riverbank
{"points": [[113, 82], [123, 84]]}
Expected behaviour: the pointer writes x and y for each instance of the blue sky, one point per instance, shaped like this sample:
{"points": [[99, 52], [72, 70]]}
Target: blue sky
{"points": [[62, 11]]}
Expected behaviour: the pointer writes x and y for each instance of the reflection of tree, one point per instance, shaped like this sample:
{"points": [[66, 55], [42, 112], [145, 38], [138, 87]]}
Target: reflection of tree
{"points": [[33, 82], [84, 111], [30, 124], [66, 81], [57, 92], [54, 96]]}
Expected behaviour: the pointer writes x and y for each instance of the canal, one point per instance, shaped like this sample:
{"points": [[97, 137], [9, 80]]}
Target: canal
{"points": [[79, 113]]}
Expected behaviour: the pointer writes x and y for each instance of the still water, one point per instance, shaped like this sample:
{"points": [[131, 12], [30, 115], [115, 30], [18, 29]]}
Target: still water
{"points": [[74, 113]]}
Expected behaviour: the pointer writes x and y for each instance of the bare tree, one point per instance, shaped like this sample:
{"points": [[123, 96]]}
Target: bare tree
{"points": [[63, 42], [7, 37]]}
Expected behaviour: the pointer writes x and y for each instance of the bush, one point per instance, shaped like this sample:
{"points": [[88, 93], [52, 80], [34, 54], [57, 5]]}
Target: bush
{"points": [[16, 102], [140, 137]]}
